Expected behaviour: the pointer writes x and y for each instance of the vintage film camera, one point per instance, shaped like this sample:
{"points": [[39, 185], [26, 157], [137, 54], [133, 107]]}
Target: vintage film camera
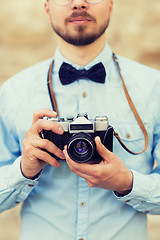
{"points": [[79, 134]]}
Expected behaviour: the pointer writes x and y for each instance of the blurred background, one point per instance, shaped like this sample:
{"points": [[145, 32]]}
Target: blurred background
{"points": [[27, 38]]}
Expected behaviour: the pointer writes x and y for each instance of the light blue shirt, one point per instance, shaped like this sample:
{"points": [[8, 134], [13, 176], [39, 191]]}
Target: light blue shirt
{"points": [[60, 205]]}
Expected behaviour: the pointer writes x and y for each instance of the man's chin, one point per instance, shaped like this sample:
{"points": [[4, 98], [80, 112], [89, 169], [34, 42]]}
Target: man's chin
{"points": [[79, 35], [78, 39]]}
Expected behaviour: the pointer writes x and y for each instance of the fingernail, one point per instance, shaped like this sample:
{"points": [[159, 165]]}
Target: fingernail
{"points": [[53, 112], [62, 155], [98, 140], [65, 152], [58, 164]]}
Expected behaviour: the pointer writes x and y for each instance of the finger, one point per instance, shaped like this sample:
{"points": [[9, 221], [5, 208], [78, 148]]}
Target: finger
{"points": [[73, 169], [89, 178], [40, 114], [35, 154], [82, 169], [45, 157], [47, 145], [43, 124], [102, 150]]}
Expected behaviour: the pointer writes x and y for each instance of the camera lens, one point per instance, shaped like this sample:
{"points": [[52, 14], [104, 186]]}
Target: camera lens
{"points": [[81, 147]]}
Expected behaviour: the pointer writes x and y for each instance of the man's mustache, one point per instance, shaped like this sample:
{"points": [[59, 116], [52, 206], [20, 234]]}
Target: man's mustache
{"points": [[80, 14]]}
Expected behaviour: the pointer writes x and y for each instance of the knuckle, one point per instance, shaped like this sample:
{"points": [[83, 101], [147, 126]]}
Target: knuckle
{"points": [[24, 142], [27, 134], [35, 113], [98, 173], [90, 184], [26, 147], [45, 144], [95, 181], [39, 122], [38, 125]]}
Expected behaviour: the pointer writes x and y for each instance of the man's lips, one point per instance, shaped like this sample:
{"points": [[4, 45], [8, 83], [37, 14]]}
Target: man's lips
{"points": [[80, 20]]}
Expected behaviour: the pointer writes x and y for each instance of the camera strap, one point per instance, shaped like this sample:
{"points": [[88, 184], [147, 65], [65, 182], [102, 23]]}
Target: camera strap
{"points": [[55, 106], [134, 112], [50, 89]]}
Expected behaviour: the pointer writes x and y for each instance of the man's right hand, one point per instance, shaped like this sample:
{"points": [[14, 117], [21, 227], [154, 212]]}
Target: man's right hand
{"points": [[33, 157]]}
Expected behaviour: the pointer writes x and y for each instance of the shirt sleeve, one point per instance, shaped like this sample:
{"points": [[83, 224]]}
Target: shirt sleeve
{"points": [[145, 195], [14, 187]]}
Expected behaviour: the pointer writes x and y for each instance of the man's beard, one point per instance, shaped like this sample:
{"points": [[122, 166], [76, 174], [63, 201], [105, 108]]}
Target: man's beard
{"points": [[80, 38]]}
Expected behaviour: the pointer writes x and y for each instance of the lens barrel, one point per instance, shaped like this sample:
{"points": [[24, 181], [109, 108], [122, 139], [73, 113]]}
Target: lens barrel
{"points": [[81, 147]]}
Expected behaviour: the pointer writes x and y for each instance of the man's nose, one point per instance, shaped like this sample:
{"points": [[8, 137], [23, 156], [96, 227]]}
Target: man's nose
{"points": [[79, 4]]}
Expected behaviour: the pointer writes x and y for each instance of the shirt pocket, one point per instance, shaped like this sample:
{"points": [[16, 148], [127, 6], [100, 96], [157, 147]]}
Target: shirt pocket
{"points": [[131, 135]]}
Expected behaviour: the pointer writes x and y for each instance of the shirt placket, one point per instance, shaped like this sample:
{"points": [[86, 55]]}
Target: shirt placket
{"points": [[83, 101], [82, 210]]}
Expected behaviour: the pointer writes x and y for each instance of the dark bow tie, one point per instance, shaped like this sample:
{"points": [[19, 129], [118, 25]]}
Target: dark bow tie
{"points": [[69, 74]]}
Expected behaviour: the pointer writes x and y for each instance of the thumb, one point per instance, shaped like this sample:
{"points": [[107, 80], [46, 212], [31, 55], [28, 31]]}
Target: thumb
{"points": [[102, 150]]}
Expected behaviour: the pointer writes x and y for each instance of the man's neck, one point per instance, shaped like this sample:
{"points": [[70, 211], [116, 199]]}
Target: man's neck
{"points": [[81, 55]]}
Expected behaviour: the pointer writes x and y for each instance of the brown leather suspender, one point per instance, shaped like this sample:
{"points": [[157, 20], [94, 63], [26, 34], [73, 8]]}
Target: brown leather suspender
{"points": [[55, 107]]}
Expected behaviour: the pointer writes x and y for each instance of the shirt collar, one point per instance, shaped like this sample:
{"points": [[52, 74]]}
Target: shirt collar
{"points": [[104, 56]]}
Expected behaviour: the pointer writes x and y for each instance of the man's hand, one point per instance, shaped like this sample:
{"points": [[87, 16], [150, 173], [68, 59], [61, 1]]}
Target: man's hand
{"points": [[110, 173], [33, 157]]}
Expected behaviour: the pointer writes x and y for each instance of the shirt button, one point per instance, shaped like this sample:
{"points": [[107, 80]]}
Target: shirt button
{"points": [[84, 94], [82, 204], [128, 135]]}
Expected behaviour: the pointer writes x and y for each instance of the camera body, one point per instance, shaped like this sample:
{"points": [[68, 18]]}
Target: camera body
{"points": [[79, 134]]}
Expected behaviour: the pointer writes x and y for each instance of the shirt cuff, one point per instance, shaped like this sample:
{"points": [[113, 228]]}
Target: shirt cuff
{"points": [[143, 192], [15, 188], [17, 178]]}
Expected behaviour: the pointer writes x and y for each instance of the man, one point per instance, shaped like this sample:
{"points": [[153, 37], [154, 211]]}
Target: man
{"points": [[64, 199]]}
